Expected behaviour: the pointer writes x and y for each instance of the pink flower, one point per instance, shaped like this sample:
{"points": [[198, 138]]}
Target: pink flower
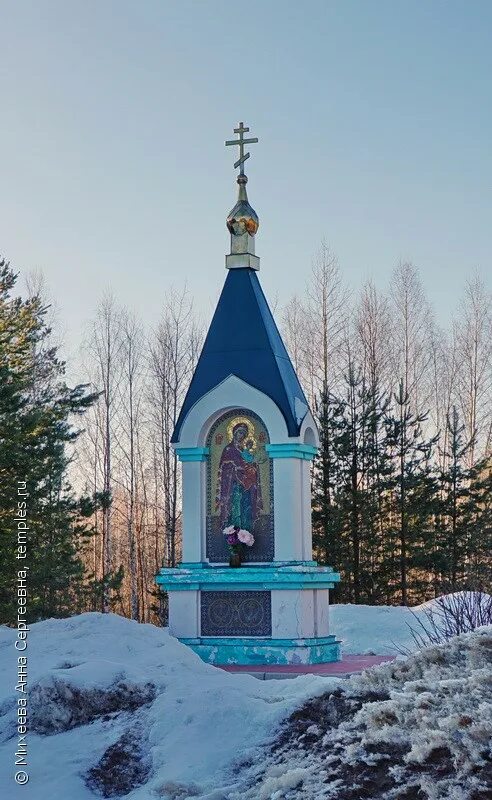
{"points": [[246, 537], [229, 530]]}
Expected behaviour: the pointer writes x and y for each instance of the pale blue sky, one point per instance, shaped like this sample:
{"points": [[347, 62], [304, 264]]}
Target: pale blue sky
{"points": [[374, 121]]}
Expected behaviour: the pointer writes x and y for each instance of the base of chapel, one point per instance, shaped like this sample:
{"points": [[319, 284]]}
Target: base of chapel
{"points": [[276, 613], [250, 652]]}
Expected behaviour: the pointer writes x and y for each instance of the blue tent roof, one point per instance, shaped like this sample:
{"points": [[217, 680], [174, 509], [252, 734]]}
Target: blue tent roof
{"points": [[243, 340]]}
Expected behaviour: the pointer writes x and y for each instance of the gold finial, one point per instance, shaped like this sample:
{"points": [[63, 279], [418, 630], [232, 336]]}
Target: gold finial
{"points": [[242, 222]]}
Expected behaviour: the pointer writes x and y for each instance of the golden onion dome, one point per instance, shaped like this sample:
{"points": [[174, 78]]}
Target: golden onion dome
{"points": [[243, 218]]}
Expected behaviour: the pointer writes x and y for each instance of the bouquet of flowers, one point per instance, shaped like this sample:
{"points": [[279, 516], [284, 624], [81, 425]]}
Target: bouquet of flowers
{"points": [[235, 537]]}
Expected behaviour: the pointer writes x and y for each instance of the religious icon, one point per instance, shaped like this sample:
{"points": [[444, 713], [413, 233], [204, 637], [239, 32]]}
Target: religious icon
{"points": [[240, 483]]}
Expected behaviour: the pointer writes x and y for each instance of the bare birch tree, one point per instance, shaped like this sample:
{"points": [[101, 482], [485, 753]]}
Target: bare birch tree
{"points": [[411, 329], [173, 355], [130, 408], [103, 348], [443, 369], [297, 335], [328, 311], [473, 333], [373, 325]]}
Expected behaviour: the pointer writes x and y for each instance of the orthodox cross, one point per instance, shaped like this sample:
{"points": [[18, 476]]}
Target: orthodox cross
{"points": [[241, 130]]}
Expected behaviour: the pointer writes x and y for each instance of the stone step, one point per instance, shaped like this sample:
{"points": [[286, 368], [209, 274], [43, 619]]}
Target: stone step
{"points": [[349, 665]]}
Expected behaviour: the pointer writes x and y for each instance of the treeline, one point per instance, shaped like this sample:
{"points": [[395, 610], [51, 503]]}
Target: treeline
{"points": [[401, 487], [101, 483], [402, 501], [125, 453]]}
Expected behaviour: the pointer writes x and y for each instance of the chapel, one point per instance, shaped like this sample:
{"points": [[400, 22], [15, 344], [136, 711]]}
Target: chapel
{"points": [[247, 590]]}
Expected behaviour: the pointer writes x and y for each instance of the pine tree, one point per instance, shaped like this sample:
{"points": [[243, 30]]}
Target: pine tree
{"points": [[350, 477], [455, 491], [352, 467], [465, 509], [477, 515], [327, 541], [376, 484], [415, 495], [36, 413]]}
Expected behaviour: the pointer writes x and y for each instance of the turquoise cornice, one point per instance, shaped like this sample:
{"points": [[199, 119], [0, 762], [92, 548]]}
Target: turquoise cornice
{"points": [[306, 452], [210, 578], [192, 453]]}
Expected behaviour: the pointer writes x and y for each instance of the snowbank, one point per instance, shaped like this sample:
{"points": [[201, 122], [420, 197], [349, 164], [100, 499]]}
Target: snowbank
{"points": [[385, 630], [371, 630], [469, 599], [122, 709], [107, 694], [416, 728]]}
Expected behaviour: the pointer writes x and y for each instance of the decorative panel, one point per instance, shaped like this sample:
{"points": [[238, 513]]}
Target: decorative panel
{"points": [[236, 614], [239, 485]]}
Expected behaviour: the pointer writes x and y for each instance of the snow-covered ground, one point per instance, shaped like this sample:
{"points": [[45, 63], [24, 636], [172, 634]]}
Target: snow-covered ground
{"points": [[192, 722], [419, 728], [386, 630], [377, 630], [115, 704]]}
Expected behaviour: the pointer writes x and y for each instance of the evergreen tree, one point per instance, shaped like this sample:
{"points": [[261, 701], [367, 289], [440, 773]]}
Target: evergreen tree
{"points": [[36, 410], [415, 495], [328, 544], [350, 475], [455, 492], [352, 497], [396, 529], [376, 484], [478, 525], [465, 525]]}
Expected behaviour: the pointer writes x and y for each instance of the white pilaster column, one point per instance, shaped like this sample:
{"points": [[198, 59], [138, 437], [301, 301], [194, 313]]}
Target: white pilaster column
{"points": [[321, 612], [193, 493], [292, 500], [293, 614], [184, 614], [307, 526], [288, 518]]}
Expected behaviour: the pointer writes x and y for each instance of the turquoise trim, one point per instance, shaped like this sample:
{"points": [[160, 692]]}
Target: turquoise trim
{"points": [[192, 453], [277, 564], [247, 641], [212, 578], [306, 452], [241, 586], [266, 651]]}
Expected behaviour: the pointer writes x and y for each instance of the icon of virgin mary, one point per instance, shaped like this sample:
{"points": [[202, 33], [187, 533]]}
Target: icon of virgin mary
{"points": [[238, 497]]}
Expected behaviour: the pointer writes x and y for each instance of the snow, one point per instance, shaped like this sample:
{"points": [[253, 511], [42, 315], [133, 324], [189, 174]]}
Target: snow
{"points": [[194, 721], [418, 727], [113, 699], [372, 630], [481, 599], [385, 630]]}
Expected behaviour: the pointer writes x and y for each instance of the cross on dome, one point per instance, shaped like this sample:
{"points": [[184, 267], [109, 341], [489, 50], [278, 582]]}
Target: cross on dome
{"points": [[241, 130]]}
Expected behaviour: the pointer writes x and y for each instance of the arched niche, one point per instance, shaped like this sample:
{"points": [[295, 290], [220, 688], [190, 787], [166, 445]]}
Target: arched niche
{"points": [[239, 485], [310, 437]]}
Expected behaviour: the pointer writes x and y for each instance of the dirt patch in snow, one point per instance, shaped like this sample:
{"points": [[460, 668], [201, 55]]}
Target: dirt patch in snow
{"points": [[419, 729], [124, 766], [58, 705]]}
